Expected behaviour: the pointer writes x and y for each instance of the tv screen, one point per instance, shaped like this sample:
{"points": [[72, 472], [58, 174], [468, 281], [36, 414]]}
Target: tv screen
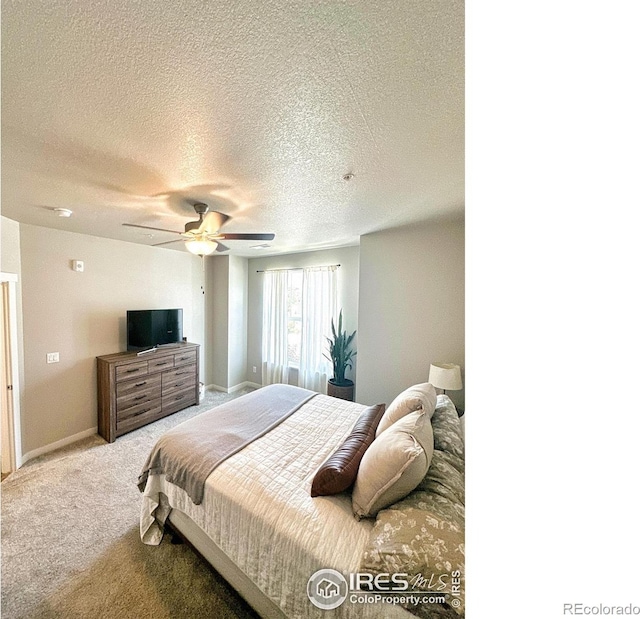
{"points": [[149, 328]]}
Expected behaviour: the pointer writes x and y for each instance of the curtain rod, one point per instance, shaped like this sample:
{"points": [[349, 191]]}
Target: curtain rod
{"points": [[300, 268]]}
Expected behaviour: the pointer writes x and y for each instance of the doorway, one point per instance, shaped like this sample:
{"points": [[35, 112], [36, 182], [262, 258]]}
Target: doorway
{"points": [[10, 434]]}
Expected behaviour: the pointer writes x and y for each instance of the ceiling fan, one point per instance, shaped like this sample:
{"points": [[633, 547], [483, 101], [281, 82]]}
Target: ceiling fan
{"points": [[202, 237]]}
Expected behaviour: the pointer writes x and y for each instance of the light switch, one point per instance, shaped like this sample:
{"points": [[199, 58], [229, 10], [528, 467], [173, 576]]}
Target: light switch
{"points": [[53, 357], [78, 265]]}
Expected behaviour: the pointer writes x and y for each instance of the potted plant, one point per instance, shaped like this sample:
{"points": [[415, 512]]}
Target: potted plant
{"points": [[340, 355]]}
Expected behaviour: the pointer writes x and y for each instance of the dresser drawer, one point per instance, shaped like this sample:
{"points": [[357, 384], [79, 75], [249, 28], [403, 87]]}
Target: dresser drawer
{"points": [[161, 364], [135, 398], [180, 373], [179, 399], [139, 418], [142, 382], [139, 409], [138, 368], [178, 383], [186, 358]]}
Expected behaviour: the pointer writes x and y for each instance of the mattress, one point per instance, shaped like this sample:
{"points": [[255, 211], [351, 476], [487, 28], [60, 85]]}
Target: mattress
{"points": [[258, 510]]}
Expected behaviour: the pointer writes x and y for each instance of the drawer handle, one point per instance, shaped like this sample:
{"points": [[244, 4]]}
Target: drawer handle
{"points": [[179, 397], [184, 382], [144, 382], [163, 363], [146, 410], [140, 397], [183, 358], [132, 371], [182, 373]]}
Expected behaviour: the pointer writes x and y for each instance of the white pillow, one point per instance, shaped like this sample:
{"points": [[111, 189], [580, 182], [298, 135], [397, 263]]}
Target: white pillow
{"points": [[419, 397], [395, 463]]}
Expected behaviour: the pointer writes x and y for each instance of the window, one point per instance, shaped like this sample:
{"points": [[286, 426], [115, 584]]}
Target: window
{"points": [[297, 308]]}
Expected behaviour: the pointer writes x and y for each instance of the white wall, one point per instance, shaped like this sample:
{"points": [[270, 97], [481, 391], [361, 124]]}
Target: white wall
{"points": [[347, 257], [10, 246], [217, 321], [226, 321], [411, 307], [83, 315], [238, 309]]}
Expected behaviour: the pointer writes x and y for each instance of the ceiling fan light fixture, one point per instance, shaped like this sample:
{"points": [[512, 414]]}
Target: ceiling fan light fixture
{"points": [[201, 247]]}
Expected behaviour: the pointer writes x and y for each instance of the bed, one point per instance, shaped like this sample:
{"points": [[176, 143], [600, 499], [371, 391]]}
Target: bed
{"points": [[258, 525]]}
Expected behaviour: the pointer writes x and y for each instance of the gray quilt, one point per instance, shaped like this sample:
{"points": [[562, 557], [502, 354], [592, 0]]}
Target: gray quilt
{"points": [[189, 453]]}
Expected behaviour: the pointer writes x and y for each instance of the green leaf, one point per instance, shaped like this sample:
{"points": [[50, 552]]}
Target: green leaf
{"points": [[340, 353]]}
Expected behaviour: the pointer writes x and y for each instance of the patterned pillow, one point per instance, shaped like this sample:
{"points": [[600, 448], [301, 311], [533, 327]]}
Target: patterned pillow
{"points": [[423, 534], [423, 537], [448, 436], [445, 477]]}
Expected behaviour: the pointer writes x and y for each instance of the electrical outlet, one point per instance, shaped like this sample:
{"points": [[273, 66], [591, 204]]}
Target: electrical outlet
{"points": [[53, 357], [255, 369]]}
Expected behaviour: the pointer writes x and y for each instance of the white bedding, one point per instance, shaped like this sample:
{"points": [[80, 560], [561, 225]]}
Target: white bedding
{"points": [[258, 510]]}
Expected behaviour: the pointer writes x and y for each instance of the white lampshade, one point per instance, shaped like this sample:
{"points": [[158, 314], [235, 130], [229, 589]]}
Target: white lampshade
{"points": [[201, 247], [445, 376]]}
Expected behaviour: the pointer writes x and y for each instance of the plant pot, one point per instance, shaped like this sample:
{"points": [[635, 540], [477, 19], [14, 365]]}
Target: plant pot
{"points": [[344, 391]]}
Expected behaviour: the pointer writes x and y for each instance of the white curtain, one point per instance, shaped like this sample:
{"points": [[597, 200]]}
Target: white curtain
{"points": [[319, 306], [275, 366]]}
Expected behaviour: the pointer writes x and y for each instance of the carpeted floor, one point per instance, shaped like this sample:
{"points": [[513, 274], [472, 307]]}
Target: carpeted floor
{"points": [[71, 547]]}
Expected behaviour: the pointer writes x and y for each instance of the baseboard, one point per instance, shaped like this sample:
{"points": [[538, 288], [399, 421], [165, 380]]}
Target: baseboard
{"points": [[58, 444], [233, 389], [248, 383]]}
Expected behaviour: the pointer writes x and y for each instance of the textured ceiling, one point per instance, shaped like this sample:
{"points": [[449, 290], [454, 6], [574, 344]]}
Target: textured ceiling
{"points": [[130, 111]]}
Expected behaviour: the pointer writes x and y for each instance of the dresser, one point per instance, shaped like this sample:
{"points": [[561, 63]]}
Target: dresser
{"points": [[134, 390]]}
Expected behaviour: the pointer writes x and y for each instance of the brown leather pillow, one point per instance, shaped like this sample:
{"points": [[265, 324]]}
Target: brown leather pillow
{"points": [[339, 472]]}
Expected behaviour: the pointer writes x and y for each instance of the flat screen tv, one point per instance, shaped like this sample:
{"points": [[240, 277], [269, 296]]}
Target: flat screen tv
{"points": [[156, 327]]}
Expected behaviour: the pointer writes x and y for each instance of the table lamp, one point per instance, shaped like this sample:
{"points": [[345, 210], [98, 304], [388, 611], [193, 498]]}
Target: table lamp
{"points": [[445, 376]]}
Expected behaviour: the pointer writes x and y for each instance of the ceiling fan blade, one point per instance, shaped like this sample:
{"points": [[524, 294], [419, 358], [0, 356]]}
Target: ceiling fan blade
{"points": [[167, 243], [150, 228], [233, 236], [213, 221], [222, 247]]}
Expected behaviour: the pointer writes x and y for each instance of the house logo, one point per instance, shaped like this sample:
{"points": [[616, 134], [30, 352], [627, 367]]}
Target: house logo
{"points": [[327, 589]]}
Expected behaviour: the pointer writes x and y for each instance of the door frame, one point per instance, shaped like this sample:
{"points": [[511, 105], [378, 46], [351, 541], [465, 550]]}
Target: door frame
{"points": [[10, 370]]}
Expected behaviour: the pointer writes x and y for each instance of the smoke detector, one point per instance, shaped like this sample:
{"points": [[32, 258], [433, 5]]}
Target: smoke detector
{"points": [[63, 212]]}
